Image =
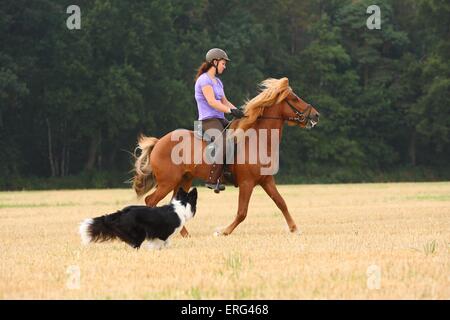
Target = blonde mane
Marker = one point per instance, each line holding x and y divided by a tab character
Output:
273	91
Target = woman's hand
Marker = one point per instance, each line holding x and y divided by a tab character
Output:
237	113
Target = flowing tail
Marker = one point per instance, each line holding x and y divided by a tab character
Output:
104	228
144	179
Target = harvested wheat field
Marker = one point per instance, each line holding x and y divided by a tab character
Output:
358	241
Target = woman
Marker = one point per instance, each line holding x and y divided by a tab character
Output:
212	104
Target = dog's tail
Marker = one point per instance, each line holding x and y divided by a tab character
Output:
101	229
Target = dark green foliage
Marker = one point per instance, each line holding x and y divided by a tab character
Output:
72	102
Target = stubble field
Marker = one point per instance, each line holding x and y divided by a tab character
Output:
358	241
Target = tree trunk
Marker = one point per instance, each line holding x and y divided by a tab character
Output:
64	151
67	161
93	149
66	172
50	151
56	165
112	158
99	159
412	147
293	34
63	159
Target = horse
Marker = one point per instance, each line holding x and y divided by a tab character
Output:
275	105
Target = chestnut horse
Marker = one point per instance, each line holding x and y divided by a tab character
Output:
270	109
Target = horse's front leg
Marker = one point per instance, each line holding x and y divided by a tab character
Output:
245	192
271	189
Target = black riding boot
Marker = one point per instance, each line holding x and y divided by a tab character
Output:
213	181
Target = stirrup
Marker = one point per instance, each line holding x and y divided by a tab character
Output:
216	187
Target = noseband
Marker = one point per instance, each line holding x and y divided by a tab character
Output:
301	117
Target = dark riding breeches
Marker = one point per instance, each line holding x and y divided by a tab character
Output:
219	124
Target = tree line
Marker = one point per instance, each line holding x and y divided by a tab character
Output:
72	102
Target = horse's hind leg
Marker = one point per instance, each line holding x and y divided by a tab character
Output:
186	184
271	189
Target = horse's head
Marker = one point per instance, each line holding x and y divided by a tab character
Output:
299	112
288	106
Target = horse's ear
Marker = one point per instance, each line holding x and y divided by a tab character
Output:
285	81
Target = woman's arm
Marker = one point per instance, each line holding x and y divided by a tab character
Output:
227	103
208	92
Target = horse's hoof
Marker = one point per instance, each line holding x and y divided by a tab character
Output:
219	232
185	234
294	231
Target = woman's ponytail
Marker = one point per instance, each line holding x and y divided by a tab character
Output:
202	69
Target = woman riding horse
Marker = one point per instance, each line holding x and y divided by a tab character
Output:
265	114
212	104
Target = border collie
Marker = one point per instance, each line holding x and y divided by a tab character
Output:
134	224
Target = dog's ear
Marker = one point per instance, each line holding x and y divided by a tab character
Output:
181	194
193	194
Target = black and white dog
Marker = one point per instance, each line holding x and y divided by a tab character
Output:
134	224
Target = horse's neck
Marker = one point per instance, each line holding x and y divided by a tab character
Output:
268	123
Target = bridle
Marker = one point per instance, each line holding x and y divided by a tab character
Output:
302	117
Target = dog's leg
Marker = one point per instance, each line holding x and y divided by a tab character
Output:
186	184
155	244
166	243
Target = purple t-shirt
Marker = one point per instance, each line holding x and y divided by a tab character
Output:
205	111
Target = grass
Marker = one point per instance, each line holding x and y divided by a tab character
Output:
400	228
430	247
234	263
442	197
37	205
